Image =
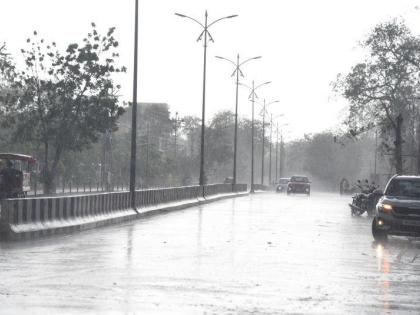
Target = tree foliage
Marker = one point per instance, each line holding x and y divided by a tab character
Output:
63	101
382	90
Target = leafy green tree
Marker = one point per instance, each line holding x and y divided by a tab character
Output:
381	90
64	101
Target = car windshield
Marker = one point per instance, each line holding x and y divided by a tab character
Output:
404	188
283	180
300	179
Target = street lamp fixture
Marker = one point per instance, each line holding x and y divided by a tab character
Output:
264	112
207	35
279	168
252	97
277	143
236	72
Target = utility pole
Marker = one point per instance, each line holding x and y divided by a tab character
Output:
106	174
134	114
252	97
207	35
202	178
263	143
252	137
277	151
147	151
281	155
237	71
271	135
264	111
176	129
376	150
235	138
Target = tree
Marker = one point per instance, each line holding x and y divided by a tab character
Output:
191	130
6	70
382	89
63	101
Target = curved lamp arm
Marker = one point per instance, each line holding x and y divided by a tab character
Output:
188	17
223	18
268	82
223	58
258	57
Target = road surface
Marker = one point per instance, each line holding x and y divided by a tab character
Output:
261	254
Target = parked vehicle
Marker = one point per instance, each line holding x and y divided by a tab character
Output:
299	185
15	175
282	184
398	210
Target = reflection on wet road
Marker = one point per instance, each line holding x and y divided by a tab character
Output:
262	254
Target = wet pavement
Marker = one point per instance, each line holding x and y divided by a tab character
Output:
262	254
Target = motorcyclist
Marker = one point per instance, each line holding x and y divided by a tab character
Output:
366	200
366	187
358	184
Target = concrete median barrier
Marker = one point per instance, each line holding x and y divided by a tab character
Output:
31	218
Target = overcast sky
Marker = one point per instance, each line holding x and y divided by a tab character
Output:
304	45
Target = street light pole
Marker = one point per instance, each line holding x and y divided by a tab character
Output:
277	151
252	97
235	139
271	136
206	33
237	71
264	111
134	115
202	180
281	154
281	149
252	137
263	142
176	129
376	150
277	142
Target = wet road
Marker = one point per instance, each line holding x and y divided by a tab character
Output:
262	254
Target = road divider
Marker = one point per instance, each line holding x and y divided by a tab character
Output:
32	218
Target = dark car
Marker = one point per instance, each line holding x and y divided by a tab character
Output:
282	185
398	210
299	185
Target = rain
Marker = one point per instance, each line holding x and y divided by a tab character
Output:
210	157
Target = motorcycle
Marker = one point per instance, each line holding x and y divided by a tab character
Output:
365	201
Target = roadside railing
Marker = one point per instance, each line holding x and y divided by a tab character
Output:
150	197
261	187
59	213
215	189
91	187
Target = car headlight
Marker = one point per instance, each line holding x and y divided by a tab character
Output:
384	207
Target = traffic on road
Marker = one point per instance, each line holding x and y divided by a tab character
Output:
266	253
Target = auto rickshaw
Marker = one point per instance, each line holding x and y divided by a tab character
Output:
15	175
